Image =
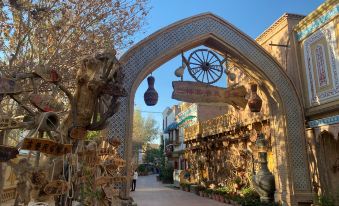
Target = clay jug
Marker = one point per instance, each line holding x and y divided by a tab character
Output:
151	95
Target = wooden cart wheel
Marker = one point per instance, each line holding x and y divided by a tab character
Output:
205	66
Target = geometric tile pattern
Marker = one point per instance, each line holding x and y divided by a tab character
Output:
329	93
171	40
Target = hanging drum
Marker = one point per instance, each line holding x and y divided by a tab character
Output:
151	95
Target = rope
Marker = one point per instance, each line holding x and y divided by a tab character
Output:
53	170
32	132
70	182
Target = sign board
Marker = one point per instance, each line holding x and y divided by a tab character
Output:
7	122
114	163
9	86
105	151
196	92
103	180
49	75
46	146
45	103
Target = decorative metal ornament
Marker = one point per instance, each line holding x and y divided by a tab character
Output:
205	66
151	95
255	102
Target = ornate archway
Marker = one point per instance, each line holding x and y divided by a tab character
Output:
292	180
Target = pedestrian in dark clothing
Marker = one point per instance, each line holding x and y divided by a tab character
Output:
134	181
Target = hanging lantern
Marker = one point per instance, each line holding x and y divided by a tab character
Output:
151	95
255	102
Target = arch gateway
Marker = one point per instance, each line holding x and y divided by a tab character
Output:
292	179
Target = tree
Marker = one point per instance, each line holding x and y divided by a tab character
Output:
152	155
144	130
55	34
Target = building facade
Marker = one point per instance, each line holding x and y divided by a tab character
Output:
307	49
317	46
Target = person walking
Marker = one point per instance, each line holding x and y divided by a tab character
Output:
134	181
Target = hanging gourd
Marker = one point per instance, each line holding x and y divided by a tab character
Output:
151	95
255	102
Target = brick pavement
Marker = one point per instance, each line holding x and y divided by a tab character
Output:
150	192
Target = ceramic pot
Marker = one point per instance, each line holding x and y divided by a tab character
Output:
255	102
151	95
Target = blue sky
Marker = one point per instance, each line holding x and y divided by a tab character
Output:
250	16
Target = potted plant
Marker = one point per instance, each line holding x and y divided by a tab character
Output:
187	188
182	186
199	190
237	183
209	193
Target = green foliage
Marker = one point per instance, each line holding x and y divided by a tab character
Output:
90	193
249	192
142	169
166	174
246	197
209	191
200	188
222	190
92	135
152	155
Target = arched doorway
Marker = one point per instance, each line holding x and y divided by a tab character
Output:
293	180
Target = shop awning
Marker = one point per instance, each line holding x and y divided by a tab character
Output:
170	127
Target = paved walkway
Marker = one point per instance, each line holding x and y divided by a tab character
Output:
150	192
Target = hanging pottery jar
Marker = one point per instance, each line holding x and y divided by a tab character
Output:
255	102
151	95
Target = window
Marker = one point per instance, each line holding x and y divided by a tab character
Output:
177	136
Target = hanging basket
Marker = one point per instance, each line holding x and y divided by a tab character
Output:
115	142
7	153
56	187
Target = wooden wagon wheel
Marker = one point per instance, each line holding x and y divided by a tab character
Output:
107	100
205	66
